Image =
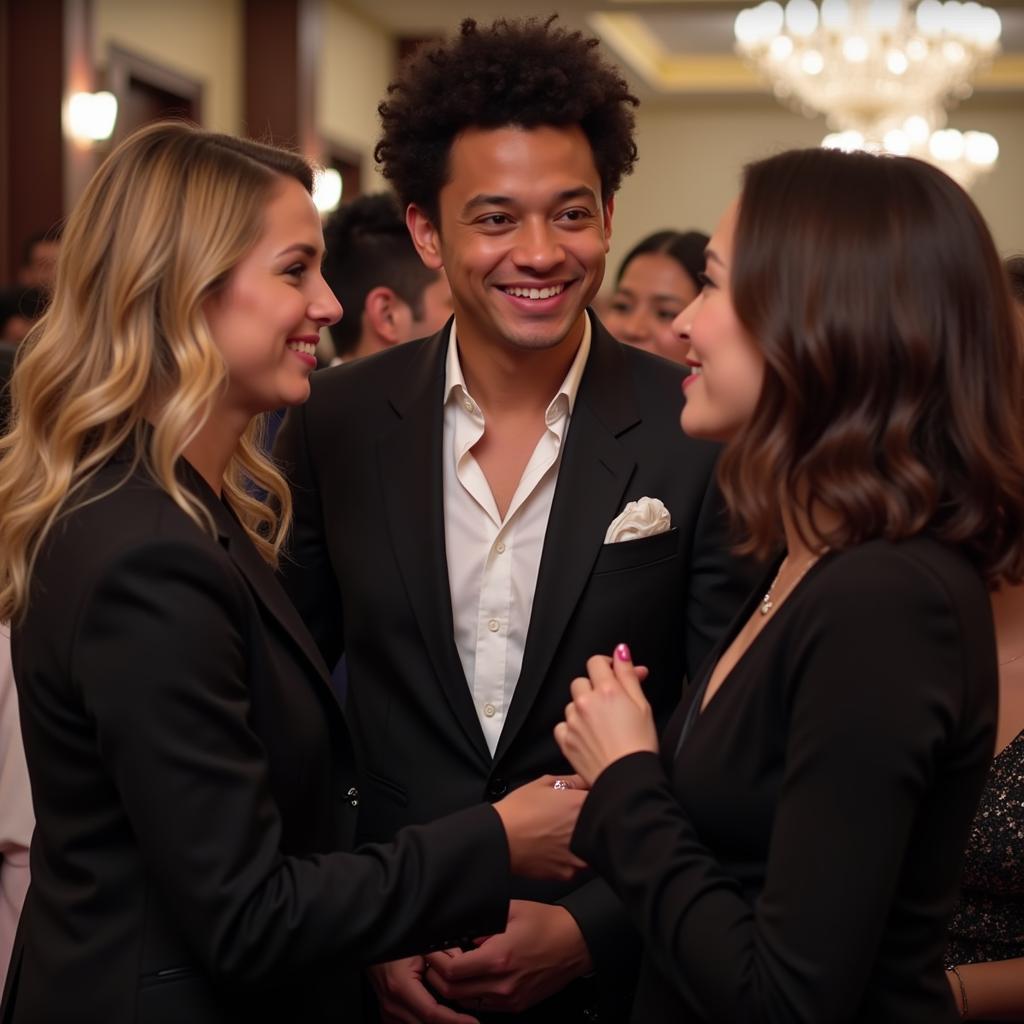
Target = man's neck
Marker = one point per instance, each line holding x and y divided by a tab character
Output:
508	380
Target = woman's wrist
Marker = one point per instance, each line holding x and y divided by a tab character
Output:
956	982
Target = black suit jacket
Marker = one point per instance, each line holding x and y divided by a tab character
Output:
367	570
797	859
193	780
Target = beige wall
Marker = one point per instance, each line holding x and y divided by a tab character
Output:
356	64
691	158
198	38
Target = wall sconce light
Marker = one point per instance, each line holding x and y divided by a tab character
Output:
327	190
90	116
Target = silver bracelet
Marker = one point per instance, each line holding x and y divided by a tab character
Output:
963	991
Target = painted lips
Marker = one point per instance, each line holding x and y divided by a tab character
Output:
304	349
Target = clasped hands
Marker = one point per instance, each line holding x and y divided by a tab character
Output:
541	949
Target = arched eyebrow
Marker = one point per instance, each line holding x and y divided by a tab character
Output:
301	247
312	252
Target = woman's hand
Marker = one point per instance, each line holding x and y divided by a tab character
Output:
609	717
539	818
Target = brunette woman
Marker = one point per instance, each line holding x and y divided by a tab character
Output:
794	853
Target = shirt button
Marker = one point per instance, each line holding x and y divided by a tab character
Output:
493	625
500	547
489	710
467	405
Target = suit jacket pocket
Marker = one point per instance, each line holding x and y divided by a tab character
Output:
179	994
388	787
632	554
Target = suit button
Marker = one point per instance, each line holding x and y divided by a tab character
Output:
353	796
496	789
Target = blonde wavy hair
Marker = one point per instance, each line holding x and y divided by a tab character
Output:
124	355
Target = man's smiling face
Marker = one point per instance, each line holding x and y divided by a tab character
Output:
523	234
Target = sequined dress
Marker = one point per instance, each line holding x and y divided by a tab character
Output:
989	920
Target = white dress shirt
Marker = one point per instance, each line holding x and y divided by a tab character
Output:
493	562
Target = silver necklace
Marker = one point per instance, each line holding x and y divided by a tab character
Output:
1010	661
768	601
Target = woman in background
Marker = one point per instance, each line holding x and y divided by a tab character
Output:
192	775
795	852
656	281
985	957
15	809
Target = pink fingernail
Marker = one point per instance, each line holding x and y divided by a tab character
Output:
622	653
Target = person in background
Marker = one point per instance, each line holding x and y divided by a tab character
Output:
20	308
16	819
1015	272
794	853
39	260
389	295
985	957
659	277
194	783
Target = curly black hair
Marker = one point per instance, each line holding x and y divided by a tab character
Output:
526	73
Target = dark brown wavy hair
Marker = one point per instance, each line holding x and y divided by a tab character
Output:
893	392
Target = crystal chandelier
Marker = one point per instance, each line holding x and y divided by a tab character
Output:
881	71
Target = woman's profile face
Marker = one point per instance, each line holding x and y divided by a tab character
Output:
651	292
266	319
727	366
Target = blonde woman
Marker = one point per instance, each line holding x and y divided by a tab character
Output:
192	775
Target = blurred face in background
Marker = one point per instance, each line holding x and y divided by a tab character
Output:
652	291
40	269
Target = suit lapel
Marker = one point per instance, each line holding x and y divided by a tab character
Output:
259	576
413	484
592	480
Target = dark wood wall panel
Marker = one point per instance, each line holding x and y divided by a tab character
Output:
282	41
33	144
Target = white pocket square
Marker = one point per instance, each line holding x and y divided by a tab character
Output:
641	518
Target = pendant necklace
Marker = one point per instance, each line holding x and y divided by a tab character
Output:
768	601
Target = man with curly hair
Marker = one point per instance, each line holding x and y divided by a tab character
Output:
459	547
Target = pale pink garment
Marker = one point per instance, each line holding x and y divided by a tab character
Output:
16	818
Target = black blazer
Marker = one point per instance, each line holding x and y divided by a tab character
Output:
368	573
798	859
193	780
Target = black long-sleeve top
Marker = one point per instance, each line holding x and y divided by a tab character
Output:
796	860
